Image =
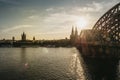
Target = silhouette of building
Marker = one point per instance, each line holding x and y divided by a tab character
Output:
34	38
23	37
74	35
13	38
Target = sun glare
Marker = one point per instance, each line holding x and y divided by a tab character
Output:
82	23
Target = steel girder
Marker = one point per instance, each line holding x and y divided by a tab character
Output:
108	25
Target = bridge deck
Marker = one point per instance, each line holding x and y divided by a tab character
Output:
99	50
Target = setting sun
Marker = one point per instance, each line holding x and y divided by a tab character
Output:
82	23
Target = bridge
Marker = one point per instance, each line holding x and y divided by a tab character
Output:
104	38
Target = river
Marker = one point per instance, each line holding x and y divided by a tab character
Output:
51	64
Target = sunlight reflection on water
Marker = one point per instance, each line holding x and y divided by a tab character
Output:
76	66
41	64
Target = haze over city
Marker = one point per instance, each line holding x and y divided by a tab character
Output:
49	19
59	39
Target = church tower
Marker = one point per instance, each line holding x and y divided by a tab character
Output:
76	34
23	37
13	38
72	36
34	38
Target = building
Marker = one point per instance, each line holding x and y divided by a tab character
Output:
23	37
74	35
13	38
34	38
90	36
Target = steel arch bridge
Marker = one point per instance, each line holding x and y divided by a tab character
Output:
108	25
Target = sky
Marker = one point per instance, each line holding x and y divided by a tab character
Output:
49	19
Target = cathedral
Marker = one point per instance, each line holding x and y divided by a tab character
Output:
23	37
74	35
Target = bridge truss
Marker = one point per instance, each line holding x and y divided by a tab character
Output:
108	25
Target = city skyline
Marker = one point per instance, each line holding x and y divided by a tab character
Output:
49	19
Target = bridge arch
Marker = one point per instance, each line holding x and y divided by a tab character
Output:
108	25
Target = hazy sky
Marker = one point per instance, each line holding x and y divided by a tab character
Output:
49	19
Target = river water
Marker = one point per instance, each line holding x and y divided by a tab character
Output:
52	64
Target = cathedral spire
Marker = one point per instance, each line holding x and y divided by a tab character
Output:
72	33
76	32
23	37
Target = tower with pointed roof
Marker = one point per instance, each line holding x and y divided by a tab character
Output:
23	37
74	35
13	38
33	38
